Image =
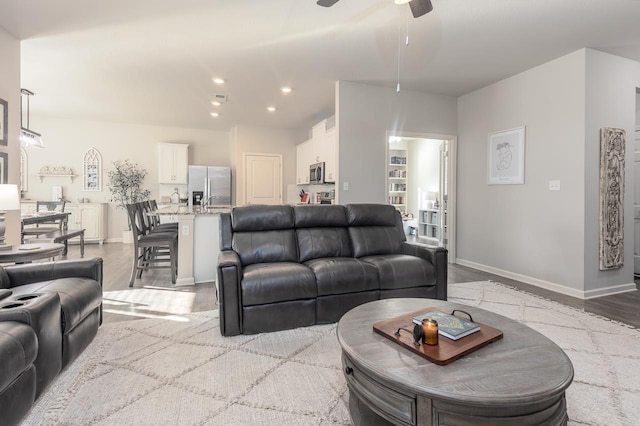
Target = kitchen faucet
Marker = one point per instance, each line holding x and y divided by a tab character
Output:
205	201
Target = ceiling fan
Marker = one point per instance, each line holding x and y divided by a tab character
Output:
418	7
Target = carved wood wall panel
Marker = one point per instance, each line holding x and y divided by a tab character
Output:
612	148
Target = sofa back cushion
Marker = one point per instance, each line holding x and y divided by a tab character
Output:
264	234
375	229
322	232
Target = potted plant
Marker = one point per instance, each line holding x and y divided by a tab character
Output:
125	184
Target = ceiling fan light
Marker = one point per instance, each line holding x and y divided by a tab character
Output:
30	138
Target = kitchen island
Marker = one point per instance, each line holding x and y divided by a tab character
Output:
198	241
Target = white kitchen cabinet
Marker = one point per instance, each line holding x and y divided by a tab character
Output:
330	155
304	151
173	163
92	217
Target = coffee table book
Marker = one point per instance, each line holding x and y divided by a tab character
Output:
449	325
446	351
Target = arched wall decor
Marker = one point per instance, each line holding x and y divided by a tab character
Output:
92	171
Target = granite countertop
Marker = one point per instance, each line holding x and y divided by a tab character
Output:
178	210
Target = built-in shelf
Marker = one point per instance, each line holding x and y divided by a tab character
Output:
44	175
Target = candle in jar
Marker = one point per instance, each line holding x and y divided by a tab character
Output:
429	331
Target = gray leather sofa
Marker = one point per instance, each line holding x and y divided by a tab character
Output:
284	267
49	313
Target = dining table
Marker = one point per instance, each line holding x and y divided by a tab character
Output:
43	217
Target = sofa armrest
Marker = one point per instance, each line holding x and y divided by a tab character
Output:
437	256
229	294
47	271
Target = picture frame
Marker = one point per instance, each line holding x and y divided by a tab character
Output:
505	157
4	163
4	122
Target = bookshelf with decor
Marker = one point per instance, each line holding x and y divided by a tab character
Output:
397	178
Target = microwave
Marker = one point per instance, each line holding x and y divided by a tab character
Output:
316	173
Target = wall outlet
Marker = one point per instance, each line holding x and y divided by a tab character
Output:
185	230
345	186
554	185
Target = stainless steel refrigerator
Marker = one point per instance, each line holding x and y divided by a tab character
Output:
209	183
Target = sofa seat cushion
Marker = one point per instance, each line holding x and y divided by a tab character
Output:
19	348
79	297
402	271
340	275
277	282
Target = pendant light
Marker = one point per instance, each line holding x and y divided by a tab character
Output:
28	137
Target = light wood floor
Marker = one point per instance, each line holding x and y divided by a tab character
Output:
154	296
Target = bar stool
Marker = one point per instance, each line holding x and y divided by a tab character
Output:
151	250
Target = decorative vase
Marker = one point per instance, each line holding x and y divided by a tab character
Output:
127	236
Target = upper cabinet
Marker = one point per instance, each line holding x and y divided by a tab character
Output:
173	163
321	148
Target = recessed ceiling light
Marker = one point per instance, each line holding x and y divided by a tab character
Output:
401	1
218	81
215	114
271	108
286	89
215	103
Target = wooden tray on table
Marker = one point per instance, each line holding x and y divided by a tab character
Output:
447	350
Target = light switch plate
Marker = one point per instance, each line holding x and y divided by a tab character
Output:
345	186
185	229
554	185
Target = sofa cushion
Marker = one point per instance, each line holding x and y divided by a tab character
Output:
266	246
343	275
402	271
277	282
315	243
261	218
375	229
19	348
78	297
320	216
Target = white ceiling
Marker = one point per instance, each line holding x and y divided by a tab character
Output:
152	61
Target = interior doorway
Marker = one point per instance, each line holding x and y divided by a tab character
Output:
636	192
421	185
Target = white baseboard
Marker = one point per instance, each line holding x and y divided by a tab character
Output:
558	288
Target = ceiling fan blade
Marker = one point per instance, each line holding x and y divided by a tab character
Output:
419	7
326	3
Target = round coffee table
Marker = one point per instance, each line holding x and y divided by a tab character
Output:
24	253
520	379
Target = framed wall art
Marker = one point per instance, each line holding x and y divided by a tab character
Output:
4	162
506	157
4	117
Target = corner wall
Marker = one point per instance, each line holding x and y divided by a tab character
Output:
527	231
364	115
611	84
10	92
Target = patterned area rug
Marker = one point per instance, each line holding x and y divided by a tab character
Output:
183	372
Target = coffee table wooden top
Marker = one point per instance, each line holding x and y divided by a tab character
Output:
30	252
522	367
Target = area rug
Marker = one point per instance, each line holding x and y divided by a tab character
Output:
183	372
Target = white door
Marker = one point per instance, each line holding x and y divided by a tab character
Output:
636	204
263	178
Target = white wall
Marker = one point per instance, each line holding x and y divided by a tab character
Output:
611	83
364	115
526	229
66	142
10	92
263	140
